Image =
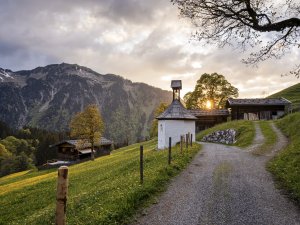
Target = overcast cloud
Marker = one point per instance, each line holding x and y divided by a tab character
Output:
141	40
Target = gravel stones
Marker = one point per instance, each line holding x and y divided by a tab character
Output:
227	136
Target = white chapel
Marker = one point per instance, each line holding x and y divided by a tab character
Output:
175	121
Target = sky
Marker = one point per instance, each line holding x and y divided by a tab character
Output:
141	40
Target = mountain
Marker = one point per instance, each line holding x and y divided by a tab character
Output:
47	97
292	94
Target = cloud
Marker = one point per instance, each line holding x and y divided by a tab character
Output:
144	41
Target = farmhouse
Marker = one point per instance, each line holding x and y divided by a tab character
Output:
258	108
175	121
209	118
78	149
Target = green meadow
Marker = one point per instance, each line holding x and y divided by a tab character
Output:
286	165
104	191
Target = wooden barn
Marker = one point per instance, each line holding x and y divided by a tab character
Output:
258	108
209	118
71	150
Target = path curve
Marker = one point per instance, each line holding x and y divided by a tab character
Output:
223	185
282	140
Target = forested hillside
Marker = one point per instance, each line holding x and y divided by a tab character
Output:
25	148
47	97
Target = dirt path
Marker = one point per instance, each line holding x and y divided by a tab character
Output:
282	141
223	185
258	139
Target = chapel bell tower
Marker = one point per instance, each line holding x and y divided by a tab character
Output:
176	86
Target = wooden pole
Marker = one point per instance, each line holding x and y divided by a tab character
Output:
142	164
170	157
191	140
186	140
61	195
181	143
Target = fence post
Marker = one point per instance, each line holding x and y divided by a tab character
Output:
187	140
141	164
61	195
169	158
191	140
181	143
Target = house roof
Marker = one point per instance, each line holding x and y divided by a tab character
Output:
85	151
103	141
176	111
257	101
213	112
176	84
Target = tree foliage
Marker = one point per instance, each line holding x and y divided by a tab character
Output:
159	110
16	155
5	130
243	22
88	126
3	151
213	88
24	148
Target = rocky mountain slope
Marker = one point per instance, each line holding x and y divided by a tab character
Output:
47	97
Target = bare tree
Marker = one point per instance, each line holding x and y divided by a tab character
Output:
243	23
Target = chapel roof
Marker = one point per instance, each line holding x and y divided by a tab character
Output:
176	84
176	111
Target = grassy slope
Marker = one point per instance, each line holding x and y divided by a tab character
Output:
245	129
105	191
291	93
286	165
270	138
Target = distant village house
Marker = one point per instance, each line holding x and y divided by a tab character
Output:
71	150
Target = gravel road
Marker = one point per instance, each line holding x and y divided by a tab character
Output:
224	185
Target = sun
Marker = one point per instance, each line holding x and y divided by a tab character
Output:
208	104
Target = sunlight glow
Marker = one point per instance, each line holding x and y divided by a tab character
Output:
208	104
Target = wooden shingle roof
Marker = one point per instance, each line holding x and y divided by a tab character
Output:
176	111
103	141
257	101
213	112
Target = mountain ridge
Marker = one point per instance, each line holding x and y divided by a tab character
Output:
47	97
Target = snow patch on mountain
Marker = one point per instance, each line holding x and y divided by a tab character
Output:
4	74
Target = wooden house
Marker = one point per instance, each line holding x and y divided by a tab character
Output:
71	150
258	108
209	118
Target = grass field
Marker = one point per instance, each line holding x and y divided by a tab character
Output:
270	138
290	93
245	131
104	191
286	165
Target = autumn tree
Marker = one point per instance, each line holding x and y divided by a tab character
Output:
159	110
211	91
3	151
244	22
88	126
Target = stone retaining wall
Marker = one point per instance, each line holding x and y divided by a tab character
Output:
221	136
